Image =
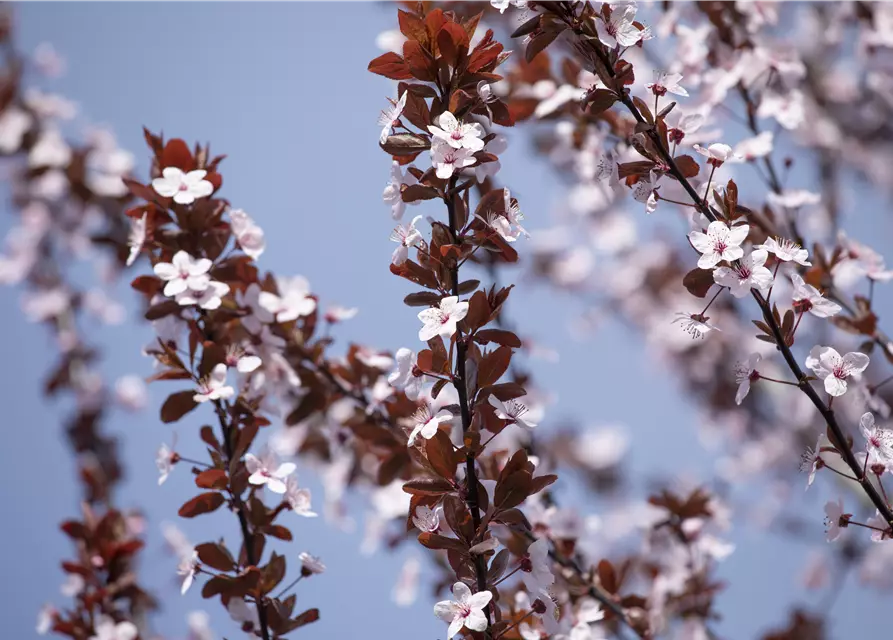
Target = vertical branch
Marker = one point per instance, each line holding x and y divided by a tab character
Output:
247	539
471	479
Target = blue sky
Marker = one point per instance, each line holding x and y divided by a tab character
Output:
283	90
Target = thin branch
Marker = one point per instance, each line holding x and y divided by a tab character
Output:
825	410
461	385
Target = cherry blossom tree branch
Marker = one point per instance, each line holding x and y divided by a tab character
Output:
825	410
221	408
461	386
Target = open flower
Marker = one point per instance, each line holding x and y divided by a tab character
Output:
310	564
393	192
645	191
184	272
719	243
695	324
745	373
211	297
620	28
835	519
390	117
403	377
811	461
807	298
502	5
188	568
426	425
879	442
213	386
107	629
293	302
456	134
406	237
834	369
184	188
426	519
248	234
716	154
165	460
465	610
537	567
266	470
447	159
242	361
786	251
511	410
749	273
442	319
666	83
298	499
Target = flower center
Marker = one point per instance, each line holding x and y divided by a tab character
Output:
183	187
802	306
840	372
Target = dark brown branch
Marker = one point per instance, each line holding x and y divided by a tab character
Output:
247	538
461	385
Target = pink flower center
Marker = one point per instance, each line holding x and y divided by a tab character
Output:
840	372
456	134
183	186
720	246
802	306
464	611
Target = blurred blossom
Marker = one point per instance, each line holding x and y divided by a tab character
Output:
131	392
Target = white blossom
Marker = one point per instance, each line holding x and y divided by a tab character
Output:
807	298
464	610
719	243
213	386
834	369
442	320
184	188
266	470
749	273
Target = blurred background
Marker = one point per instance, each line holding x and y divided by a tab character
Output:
283	91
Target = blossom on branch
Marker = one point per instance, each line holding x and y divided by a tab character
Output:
749	273
426	424
184	272
406	237
213	386
184	188
266	470
807	298
464	610
293	301
834	369
719	243
786	251
456	134
745	374
390	117
448	159
442	320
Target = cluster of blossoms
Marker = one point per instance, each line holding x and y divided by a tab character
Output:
720	54
440	436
